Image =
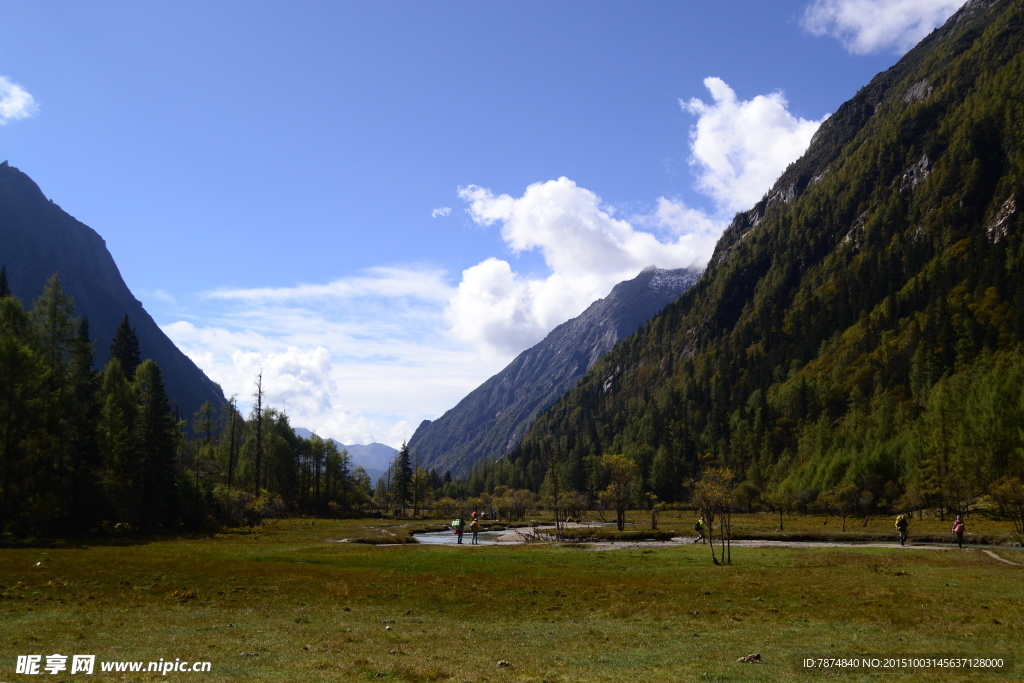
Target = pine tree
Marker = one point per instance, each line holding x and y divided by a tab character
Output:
155	437
54	324
84	496
4	289
125	348
22	376
121	468
47	480
257	415
403	477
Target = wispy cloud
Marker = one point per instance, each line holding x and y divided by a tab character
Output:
360	359
15	102
442	211
382	282
869	26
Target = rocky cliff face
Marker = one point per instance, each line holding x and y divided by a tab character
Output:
492	419
38	239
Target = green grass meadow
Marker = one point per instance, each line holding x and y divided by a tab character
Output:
286	603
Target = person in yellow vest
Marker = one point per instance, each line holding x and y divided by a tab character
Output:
474	526
701	527
902	526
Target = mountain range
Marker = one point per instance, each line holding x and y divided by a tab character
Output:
491	420
38	239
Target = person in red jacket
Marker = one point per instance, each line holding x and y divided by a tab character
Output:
958	531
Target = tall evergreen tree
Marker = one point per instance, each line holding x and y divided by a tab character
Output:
155	437
47	478
258	417
121	466
4	289
125	348
84	497
54	324
233	436
203	426
22	379
403	477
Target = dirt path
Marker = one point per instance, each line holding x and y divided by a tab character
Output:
1002	559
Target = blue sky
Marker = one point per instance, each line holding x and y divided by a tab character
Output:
381	203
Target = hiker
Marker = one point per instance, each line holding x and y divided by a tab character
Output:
701	528
901	528
958	531
474	526
457	529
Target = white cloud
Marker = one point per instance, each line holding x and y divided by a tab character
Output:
361	359
367	357
443	211
15	102
867	26
586	249
739	147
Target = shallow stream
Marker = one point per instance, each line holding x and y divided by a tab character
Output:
449	538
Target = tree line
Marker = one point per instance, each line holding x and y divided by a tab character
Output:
104	450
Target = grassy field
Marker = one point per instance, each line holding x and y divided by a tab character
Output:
284	603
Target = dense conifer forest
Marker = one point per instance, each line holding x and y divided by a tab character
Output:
83	451
857	337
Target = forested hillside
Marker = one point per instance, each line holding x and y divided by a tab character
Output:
857	335
492	419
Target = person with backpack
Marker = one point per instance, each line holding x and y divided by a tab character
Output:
958	531
457	529
901	528
701	527
474	526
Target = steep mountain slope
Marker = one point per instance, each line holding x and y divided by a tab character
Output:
38	239
859	328
493	418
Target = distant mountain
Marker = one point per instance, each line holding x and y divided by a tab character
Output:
38	239
491	419
860	331
375	458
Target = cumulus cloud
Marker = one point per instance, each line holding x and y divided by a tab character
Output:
868	26
15	102
442	211
585	247
739	147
